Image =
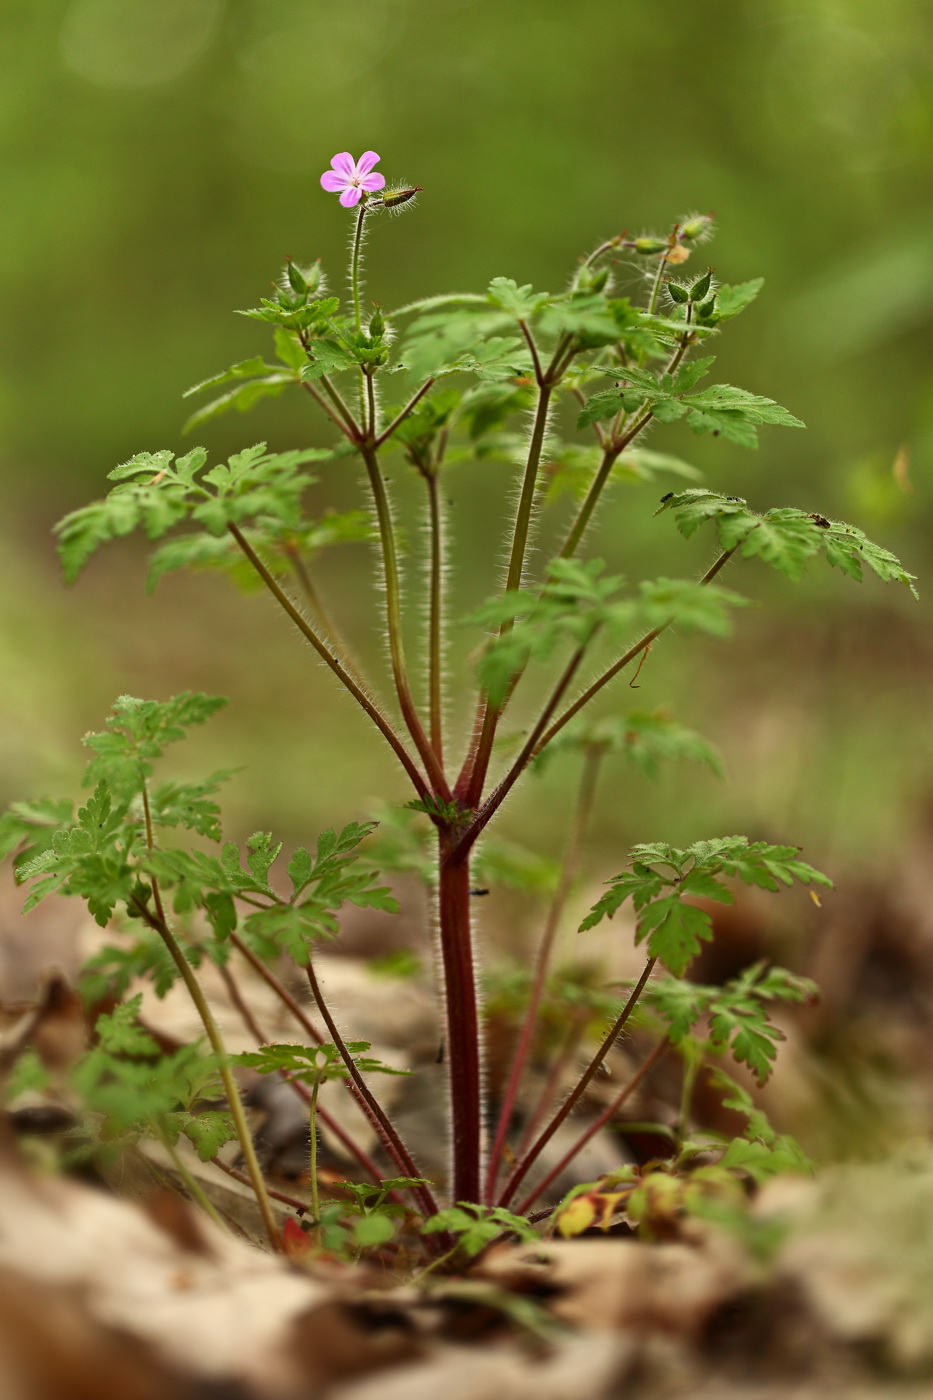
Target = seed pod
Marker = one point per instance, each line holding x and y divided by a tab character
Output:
296	278
377	325
701	286
707	309
394	199
677	293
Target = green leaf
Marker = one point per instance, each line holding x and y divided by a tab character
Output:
730	301
370	1231
300	869
28	1076
598	407
33	825
695	607
242	399
246	369
522	302
207	1131
137	734
674	931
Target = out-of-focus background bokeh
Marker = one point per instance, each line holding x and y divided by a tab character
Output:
160	160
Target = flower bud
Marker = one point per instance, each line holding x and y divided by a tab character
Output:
650	245
377	325
697	227
678	293
706	309
701	286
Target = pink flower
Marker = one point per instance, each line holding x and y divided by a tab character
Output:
352	177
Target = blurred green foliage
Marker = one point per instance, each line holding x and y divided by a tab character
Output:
159	161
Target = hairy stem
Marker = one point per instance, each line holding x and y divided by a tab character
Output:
347	426
339	670
399	419
394	624
611	452
192	1185
622	662
355	265
312	1129
464	1068
584	806
531	1156
243	1179
158	923
387	1134
638	1078
435	616
473	780
556	1072
532	744
302	1090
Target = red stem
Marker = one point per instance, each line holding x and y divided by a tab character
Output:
370	1105
531	1156
462	1020
594	1127
584	803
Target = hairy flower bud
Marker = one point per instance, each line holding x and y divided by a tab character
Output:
698	227
377	325
650	245
678	293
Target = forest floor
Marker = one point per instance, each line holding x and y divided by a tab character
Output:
117	1288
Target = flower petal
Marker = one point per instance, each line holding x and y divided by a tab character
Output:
344	164
350	197
333	181
366	162
373	182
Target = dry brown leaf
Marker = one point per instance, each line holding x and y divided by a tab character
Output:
610	1284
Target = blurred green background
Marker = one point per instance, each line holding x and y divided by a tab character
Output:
159	161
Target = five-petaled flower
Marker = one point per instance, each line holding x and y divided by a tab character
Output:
352	177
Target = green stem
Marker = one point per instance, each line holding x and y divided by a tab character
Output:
394	625
319	399
584	806
611	452
193	1187
473	777
531	1156
339	670
370	406
435	616
399	419
158	923
312	1124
